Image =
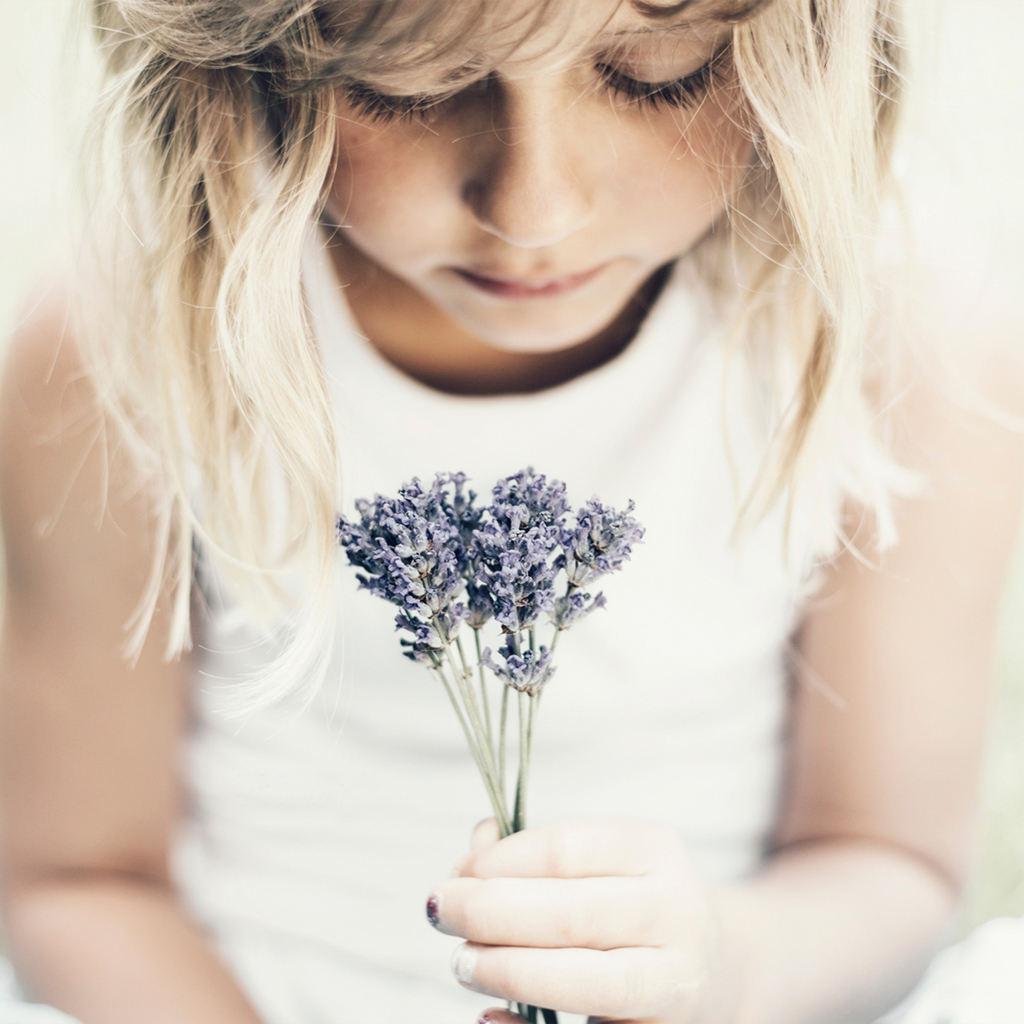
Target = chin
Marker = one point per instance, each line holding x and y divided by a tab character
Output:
537	331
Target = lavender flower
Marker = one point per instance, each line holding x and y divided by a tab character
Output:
601	540
527	499
430	637
461	504
527	671
517	573
513	552
413	554
427	549
573	606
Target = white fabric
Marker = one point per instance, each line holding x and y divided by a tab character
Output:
979	981
316	837
14	1011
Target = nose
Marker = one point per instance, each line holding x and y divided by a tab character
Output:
530	184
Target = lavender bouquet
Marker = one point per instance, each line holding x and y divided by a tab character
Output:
522	562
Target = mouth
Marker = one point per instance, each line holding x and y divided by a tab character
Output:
504	287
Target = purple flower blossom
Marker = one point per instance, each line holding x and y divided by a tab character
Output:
513	551
461	504
574	606
413	553
599	542
425	549
430	637
527	671
527	499
479	605
516	571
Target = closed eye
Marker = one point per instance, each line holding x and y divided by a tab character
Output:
379	106
680	92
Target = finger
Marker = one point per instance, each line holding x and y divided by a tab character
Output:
576	849
497	1016
620	984
595	913
632	1020
485	834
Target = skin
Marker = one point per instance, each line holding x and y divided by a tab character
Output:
534	175
538	173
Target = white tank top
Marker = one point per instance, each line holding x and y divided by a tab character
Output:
314	839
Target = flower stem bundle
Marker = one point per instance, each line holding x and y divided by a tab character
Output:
523	563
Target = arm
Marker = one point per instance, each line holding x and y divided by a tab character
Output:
874	833
882	788
88	744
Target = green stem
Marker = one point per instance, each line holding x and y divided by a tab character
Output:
497	803
501	738
466	676
483	688
558	632
534	698
472	710
519	816
483	744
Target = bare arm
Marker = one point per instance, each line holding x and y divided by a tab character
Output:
875	834
87	743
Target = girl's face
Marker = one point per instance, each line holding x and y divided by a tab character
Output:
531	206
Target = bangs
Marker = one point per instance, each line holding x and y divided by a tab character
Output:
456	40
460	41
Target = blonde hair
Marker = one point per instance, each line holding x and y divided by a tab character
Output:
216	135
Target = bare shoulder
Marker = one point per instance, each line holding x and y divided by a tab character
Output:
69	516
959	418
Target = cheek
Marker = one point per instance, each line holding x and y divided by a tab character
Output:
680	167
393	189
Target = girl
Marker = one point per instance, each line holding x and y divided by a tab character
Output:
645	245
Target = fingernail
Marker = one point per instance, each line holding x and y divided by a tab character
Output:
485	1019
433	916
463	962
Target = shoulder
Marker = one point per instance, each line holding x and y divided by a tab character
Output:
70	517
952	386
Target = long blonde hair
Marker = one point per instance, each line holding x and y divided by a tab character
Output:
215	134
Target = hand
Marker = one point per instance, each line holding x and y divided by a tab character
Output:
603	917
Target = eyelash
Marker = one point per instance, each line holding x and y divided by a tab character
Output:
680	93
380	107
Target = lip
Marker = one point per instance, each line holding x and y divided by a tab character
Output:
519	288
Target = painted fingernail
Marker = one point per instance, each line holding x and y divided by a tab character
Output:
463	962
485	1019
432	911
